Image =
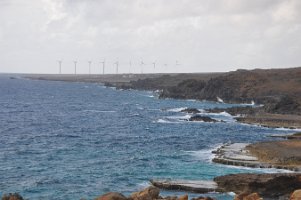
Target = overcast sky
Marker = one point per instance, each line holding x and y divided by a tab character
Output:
202	35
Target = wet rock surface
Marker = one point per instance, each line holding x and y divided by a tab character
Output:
190	110
200	118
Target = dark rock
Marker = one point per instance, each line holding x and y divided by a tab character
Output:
202	118
112	196
11	196
191	110
266	185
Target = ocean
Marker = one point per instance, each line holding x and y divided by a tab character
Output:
62	140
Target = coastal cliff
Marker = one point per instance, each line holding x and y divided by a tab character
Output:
279	90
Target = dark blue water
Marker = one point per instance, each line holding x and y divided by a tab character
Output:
62	140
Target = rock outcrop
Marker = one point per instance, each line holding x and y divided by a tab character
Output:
200	118
296	195
247	196
146	194
14	196
190	110
112	196
266	185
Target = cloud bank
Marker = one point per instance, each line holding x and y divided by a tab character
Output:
201	35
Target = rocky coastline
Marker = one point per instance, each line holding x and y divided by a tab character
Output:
242	184
277	94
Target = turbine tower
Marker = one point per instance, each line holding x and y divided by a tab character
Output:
60	66
75	63
103	66
116	63
142	64
90	63
130	66
154	63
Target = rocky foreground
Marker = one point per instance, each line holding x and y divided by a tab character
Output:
153	193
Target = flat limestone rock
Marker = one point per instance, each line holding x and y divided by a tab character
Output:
200	186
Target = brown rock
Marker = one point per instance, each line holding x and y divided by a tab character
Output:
266	185
246	196
10	196
184	197
296	195
171	198
112	196
149	193
202	198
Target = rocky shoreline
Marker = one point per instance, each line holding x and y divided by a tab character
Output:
243	185
279	90
250	155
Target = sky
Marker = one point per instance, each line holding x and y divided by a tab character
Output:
177	35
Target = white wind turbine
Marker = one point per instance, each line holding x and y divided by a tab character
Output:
103	66
142	64
90	63
117	64
60	66
130	63
75	63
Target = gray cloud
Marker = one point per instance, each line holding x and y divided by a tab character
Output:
207	35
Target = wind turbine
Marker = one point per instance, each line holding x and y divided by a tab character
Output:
142	64
116	63
103	66
90	62
60	66
154	63
75	63
130	66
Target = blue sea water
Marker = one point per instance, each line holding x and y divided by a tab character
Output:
61	140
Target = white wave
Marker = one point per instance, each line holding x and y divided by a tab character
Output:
224	113
257	169
164	121
204	154
176	109
231	193
219	100
143	185
287	129
185	117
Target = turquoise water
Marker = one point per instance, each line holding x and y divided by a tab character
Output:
62	140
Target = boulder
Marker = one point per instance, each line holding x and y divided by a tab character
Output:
202	118
247	196
184	197
190	110
202	198
266	185
11	196
112	196
149	193
296	195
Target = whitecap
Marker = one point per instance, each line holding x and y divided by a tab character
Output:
164	121
287	129
204	154
219	100
176	109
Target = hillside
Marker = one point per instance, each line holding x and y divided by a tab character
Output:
278	89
